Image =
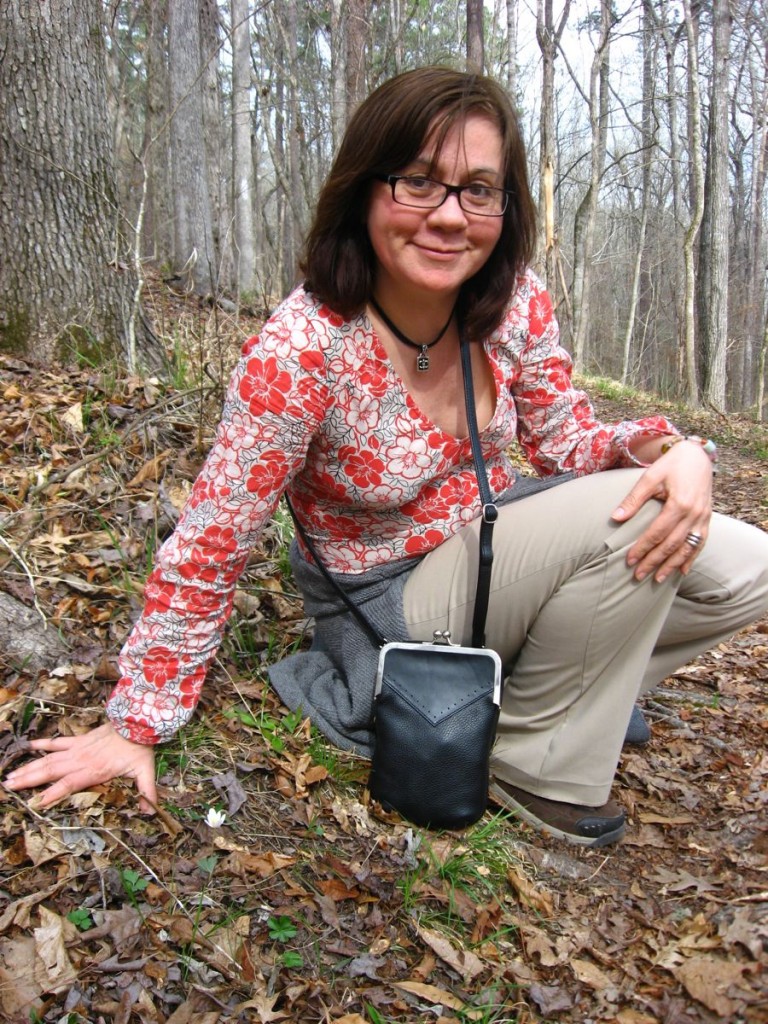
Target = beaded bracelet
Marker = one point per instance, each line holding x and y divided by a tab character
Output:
710	448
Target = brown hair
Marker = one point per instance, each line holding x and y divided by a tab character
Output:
386	133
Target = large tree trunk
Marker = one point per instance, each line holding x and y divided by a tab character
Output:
64	283
194	256
157	240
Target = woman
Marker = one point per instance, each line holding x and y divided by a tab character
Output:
351	399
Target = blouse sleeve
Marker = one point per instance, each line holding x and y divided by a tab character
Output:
557	426
275	404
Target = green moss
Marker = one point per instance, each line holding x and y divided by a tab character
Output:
14	331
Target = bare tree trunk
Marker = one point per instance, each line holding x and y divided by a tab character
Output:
754	269
242	159
548	37
671	41
338	73
697	206
285	144
395	45
63	283
218	147
194	256
584	222
357	34
761	373
158	235
512	15
295	143
475	43
279	160
714	243
648	138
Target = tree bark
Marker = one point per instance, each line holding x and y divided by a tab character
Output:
157	241
648	140
671	42
295	142
338	95
761	363
512	16
475	43
714	246
747	153
548	37
64	285
194	257
242	161
356	36
584	222
218	146
697	206
756	279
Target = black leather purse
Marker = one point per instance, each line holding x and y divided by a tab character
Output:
436	704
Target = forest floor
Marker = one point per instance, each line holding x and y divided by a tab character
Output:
304	904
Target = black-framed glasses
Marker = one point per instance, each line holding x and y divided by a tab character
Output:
427	194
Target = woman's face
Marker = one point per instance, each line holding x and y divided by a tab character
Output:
433	252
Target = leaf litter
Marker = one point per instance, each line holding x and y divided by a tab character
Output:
269	887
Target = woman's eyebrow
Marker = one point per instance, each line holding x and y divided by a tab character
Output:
428	164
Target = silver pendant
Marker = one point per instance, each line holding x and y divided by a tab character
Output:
422	360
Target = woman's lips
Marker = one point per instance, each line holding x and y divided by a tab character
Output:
440	254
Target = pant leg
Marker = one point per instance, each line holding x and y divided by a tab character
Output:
726	590
575	630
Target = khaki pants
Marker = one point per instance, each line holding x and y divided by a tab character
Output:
580	638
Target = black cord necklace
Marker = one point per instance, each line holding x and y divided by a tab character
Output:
422	360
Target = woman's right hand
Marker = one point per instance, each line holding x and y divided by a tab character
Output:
74	763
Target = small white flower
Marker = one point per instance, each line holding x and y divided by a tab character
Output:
215	818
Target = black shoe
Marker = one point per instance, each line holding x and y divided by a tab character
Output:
638	731
586	826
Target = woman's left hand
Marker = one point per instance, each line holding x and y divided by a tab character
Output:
682	480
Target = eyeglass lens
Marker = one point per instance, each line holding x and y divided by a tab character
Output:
429	194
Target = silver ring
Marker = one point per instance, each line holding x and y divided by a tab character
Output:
694	539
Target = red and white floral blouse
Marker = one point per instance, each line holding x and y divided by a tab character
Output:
315	405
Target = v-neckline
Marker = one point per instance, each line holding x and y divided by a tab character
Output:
381	354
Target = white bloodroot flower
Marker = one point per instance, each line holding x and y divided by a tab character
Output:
215	818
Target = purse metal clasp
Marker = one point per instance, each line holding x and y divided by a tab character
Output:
443	636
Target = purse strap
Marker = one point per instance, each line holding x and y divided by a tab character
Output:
489	516
373	634
490	512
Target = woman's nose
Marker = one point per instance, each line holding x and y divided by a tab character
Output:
449	212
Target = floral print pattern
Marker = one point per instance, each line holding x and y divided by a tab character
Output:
314	406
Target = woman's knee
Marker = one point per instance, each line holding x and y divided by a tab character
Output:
735	559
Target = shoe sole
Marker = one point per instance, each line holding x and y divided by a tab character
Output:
505	800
